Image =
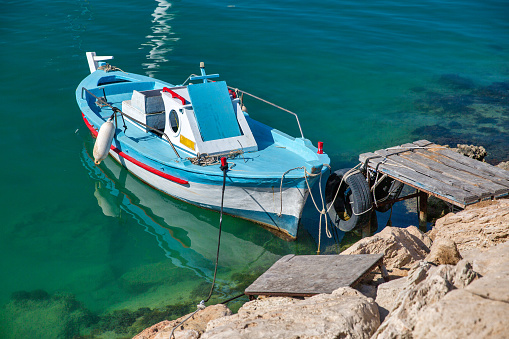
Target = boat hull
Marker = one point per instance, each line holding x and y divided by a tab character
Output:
274	208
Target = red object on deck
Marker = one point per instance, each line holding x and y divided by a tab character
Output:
175	95
320	147
224	164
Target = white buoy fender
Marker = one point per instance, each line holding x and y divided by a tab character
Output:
103	141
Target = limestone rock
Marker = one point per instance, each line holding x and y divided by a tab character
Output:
479	226
471	151
366	289
154	330
453	301
387	295
444	252
191	329
345	313
493	265
504	165
477	311
461	314
425	286
401	246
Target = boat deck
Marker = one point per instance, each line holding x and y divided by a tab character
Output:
272	156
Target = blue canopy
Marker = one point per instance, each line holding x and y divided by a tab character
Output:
213	110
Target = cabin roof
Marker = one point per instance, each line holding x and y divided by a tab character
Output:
213	110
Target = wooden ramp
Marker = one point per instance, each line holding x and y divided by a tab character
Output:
307	275
438	171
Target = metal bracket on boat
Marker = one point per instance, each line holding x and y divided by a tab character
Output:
204	75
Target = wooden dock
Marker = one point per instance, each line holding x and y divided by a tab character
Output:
431	169
307	275
438	171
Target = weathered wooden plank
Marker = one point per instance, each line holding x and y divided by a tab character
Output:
473	170
431	161
483	167
503	184
438	171
423	143
424	183
476	167
435	178
461	162
403	160
307	275
364	156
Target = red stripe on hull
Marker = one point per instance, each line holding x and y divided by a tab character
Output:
90	127
134	161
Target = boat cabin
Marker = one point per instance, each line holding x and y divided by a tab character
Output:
199	118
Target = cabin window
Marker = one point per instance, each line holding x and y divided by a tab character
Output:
174	121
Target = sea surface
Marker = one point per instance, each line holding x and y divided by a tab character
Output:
90	251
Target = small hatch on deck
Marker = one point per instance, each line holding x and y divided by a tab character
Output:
112	79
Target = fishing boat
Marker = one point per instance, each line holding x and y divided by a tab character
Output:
196	142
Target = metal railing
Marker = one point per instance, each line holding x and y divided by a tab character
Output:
270	103
258	98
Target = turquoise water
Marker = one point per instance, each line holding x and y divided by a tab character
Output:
88	250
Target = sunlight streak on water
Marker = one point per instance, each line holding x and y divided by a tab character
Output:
161	39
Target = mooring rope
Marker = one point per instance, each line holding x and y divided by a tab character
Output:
201	305
407	148
224	169
322	211
209	160
349	173
109	68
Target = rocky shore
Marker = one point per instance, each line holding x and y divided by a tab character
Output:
452	282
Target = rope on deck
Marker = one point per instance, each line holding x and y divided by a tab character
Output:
205	159
109	68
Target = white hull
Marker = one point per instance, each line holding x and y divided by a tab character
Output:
258	204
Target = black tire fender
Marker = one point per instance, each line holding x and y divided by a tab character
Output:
352	207
387	189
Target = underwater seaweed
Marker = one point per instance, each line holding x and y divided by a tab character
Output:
456	81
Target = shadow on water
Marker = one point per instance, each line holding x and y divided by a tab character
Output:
468	114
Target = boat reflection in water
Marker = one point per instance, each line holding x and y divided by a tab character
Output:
187	234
